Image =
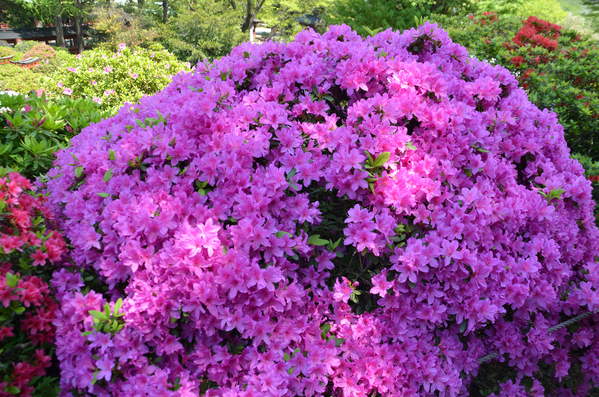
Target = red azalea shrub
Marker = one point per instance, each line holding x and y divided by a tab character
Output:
27	307
537	32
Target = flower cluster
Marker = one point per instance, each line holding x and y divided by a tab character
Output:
329	216
537	32
27	307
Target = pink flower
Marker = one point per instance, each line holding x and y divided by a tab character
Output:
107	69
67	91
134	75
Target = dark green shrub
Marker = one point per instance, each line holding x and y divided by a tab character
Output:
591	170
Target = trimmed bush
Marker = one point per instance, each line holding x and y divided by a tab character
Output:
330	216
28	247
113	78
15	78
32	128
6	51
42	51
25	46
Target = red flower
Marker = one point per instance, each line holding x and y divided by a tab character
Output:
517	60
5	332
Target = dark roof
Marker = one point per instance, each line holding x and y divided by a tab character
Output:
35	33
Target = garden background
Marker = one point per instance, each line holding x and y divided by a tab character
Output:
130	51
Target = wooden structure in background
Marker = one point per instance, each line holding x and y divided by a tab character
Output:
46	35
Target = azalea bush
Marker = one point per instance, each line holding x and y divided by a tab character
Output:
330	216
111	78
32	128
29	246
559	68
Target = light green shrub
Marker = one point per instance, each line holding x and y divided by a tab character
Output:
113	78
15	78
549	10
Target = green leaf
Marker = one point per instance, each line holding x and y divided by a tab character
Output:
381	159
325	328
78	171
12	280
280	234
103	195
334	245
555	194
286	357
98	315
117	306
410	146
111	155
107	175
12	390
316	240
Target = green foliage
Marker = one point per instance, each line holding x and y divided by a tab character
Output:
112	26
370	16
15	78
591	170
549	10
113	78
281	16
33	128
208	31
109	320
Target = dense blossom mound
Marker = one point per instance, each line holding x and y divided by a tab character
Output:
331	216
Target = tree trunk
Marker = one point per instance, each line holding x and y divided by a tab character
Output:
164	10
59	31
78	33
249	16
251	11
